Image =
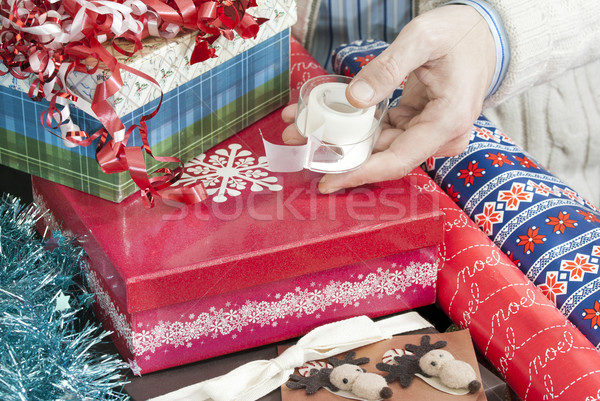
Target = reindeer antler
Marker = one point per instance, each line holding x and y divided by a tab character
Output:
408	365
348	358
403	370
318	378
425	347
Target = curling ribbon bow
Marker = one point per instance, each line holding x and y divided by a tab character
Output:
50	39
255	379
215	18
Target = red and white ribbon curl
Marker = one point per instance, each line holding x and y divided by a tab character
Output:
49	39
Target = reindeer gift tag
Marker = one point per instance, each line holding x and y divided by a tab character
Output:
435	366
319	381
343	377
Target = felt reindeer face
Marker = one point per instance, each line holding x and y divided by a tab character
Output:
435	366
344	376
432	362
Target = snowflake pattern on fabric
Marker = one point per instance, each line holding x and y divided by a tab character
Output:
228	172
553	287
499	159
531	239
470	173
561	222
486	134
526	162
515	196
542	189
362	61
490	216
455	195
578	267
352	57
593	315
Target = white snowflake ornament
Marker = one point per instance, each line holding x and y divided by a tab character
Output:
229	172
135	368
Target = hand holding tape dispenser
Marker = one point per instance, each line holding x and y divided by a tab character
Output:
340	137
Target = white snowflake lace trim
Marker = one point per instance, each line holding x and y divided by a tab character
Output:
112	312
301	302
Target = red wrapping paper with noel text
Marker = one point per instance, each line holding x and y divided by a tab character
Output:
542	355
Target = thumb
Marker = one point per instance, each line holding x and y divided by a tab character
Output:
384	74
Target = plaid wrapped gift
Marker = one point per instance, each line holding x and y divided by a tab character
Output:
203	104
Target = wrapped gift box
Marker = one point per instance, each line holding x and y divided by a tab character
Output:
203	104
265	258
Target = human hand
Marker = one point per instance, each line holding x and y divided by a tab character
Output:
449	57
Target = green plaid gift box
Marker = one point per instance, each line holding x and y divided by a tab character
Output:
202	105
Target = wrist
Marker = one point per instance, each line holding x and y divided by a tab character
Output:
496	27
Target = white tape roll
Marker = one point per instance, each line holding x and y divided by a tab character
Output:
342	123
340	137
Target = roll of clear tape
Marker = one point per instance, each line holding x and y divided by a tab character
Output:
341	123
340	137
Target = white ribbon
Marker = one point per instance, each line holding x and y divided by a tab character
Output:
255	379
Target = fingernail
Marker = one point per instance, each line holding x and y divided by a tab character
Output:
361	91
324	189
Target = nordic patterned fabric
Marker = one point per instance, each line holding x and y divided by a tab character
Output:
546	228
350	58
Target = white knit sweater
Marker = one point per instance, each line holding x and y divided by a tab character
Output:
547	38
549	101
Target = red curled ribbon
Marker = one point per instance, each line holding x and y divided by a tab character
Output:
51	39
215	18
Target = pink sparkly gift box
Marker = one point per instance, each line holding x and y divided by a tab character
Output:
177	284
265	258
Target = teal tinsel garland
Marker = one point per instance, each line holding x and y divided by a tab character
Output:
47	339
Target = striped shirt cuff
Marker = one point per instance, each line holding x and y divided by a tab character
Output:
500	39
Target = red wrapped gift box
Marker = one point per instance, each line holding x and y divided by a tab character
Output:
265	258
247	268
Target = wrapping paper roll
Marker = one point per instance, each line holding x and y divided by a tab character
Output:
550	232
539	225
539	352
